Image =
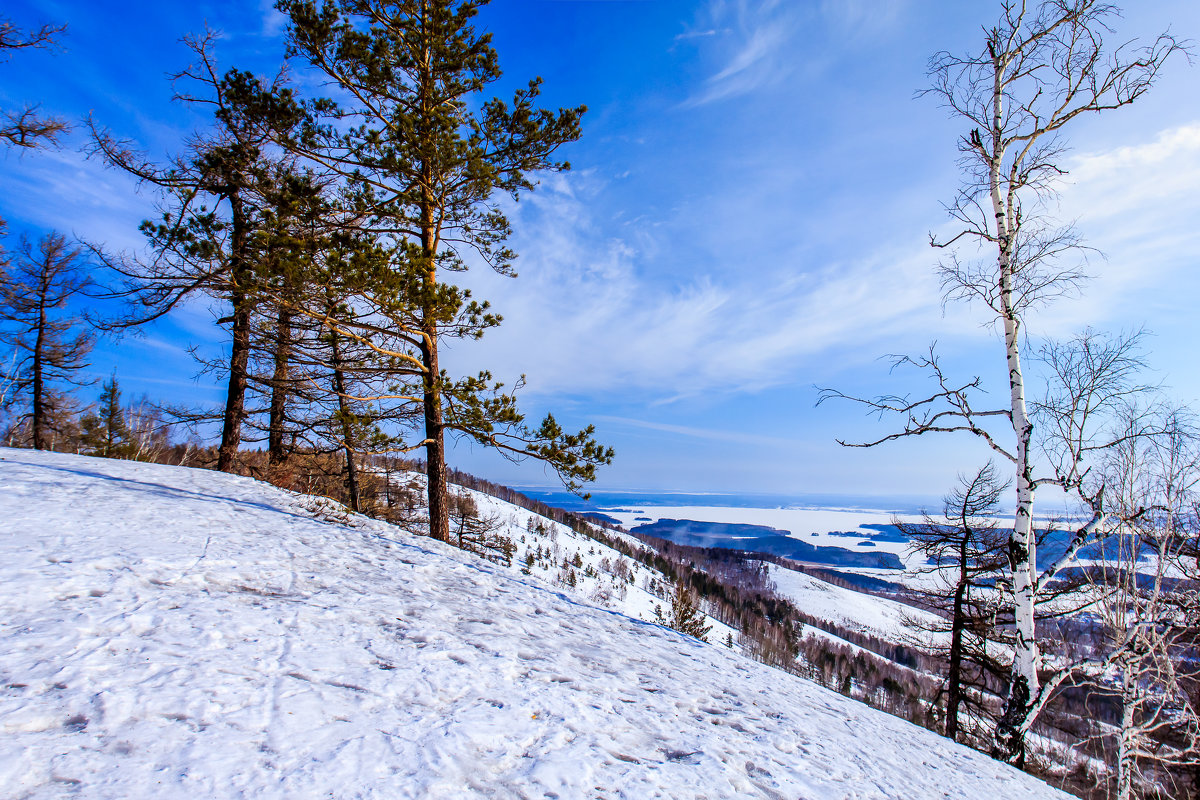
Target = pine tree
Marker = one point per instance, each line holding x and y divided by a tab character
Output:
685	613
965	554
105	432
214	201
429	152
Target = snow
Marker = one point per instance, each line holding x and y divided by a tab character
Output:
602	587
814	526
176	633
875	616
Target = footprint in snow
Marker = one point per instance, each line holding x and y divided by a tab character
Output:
683	756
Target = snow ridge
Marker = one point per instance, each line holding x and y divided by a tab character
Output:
167	632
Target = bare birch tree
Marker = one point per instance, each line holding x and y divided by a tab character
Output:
1150	607
1042	66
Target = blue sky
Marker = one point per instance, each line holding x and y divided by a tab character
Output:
746	218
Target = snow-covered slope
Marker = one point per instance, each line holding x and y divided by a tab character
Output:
579	565
875	616
167	632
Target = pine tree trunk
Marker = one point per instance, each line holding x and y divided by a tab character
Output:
276	454
435	453
239	358
435	449
339	386
39	403
352	480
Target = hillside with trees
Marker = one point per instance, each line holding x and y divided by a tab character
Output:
320	245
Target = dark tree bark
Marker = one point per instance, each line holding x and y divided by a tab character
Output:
344	414
239	356
280	388
39	385
958	622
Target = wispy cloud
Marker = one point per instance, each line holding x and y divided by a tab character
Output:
862	19
706	434
62	190
751	38
696	34
273	22
755	42
1137	204
729	328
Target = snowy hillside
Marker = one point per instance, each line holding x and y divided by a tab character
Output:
579	565
175	633
875	616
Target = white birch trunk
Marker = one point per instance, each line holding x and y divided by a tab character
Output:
1022	544
1126	743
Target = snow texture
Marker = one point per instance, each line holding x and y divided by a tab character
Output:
177	633
875	616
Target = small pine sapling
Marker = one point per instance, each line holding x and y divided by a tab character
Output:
686	616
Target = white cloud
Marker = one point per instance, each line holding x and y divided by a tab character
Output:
274	23
62	190
707	434
696	34
756	42
586	318
1137	205
862	19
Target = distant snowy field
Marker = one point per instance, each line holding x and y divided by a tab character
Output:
176	633
813	525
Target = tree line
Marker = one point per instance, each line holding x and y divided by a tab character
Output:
330	230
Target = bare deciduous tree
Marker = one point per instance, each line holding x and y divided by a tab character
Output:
1150	606
964	553
51	345
1042	66
28	128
